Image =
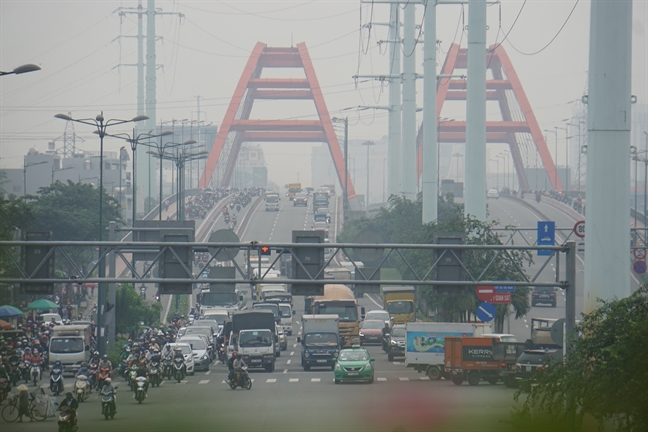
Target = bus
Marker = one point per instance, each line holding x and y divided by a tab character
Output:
340	300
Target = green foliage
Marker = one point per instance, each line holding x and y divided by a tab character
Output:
13	214
131	309
401	223
606	372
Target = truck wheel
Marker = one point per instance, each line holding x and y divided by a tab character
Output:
434	373
510	381
474	378
458	379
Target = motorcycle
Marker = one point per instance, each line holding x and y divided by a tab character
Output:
16	373
141	384
238	207
101	377
178	369
538	197
167	368
35	372
227	218
81	388
154	374
108	407
93	369
56	381
240	379
64	419
132	373
24	370
4	389
143	292
221	352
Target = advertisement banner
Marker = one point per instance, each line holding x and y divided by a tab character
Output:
430	342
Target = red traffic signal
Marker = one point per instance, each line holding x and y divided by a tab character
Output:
265	250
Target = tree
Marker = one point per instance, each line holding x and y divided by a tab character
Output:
14	215
401	223
131	309
605	373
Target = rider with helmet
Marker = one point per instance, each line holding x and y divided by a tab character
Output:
235	362
108	389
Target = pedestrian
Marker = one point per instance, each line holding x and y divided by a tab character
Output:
23	402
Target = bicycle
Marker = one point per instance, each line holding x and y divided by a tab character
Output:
10	412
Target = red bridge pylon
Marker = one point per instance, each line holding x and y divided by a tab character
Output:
237	127
518	127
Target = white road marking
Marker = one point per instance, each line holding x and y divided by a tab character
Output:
203	382
285	371
424	378
271	380
293	380
288	362
381	379
398	363
294	345
316	379
207	373
403	379
292	352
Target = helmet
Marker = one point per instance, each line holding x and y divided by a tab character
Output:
27	349
84	364
96	353
235	354
105	357
107	380
57	362
152	339
68	395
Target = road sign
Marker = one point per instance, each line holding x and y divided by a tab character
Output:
639	267
509	288
484	292
223	236
500	298
640	254
486	312
546	236
579	229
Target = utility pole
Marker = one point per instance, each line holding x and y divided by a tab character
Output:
367	144
609	98
430	142
394	145
476	112
409	103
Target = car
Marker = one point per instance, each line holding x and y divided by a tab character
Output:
300	199
371	332
379	314
190	365
396	342
323	211
532	361
204	322
492	193
283	341
354	364
543	295
202	359
320	218
321	226
204	330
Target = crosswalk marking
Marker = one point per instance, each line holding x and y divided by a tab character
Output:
316	379
288	362
271	380
403	379
292	352
293	380
203	381
285	371
207	373
424	378
381	379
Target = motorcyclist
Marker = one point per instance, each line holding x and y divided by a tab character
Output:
108	389
156	357
153	345
72	405
105	363
142	371
83	370
235	362
94	358
385	332
4	373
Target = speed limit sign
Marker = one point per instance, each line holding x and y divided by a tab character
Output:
579	229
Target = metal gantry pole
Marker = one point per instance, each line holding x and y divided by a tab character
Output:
476	112
430	142
607	261
408	165
394	150
112	265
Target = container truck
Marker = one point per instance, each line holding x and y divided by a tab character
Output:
254	337
399	302
320	341
272	202
293	188
425	344
339	300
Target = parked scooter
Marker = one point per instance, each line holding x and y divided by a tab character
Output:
56	381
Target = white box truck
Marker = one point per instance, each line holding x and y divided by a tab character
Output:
320	340
71	345
424	349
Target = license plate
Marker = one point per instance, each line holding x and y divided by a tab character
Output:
322	361
352	373
544	296
528	368
256	361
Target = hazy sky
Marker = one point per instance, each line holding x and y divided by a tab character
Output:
77	45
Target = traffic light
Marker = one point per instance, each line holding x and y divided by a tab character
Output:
265	250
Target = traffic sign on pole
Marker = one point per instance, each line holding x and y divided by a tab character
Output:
546	236
639	254
579	229
486	312
484	292
505	288
639	267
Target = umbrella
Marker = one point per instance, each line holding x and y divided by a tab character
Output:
42	304
4	325
7	311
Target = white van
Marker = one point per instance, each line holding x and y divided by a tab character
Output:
286	313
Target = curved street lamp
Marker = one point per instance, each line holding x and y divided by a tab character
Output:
27	165
102	125
22	69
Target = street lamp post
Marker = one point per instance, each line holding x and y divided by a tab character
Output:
345	196
22	69
367	144
102	125
25	166
54	170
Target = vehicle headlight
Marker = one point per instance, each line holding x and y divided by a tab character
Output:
306	354
337	367
367	366
204	357
361	334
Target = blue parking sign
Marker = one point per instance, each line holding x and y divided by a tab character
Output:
546	236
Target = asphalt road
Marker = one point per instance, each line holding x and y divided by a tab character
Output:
290	399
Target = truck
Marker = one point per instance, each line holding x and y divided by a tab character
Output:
477	358
272	201
230	301
399	302
293	188
320	341
425	344
71	345
339	300
320	200
254	337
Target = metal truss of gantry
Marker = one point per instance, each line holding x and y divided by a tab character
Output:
518	126
237	127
